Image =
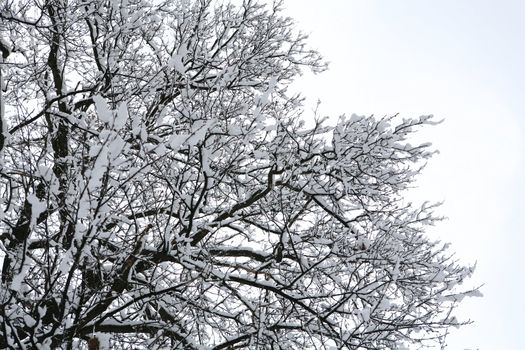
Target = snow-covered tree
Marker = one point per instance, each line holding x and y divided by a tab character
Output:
160	190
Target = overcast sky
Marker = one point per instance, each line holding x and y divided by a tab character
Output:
463	61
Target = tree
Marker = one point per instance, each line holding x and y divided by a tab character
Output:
160	190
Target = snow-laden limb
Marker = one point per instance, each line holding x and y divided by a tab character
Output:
161	191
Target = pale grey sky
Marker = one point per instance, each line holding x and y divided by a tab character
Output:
463	61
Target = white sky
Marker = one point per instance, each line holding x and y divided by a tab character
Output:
463	61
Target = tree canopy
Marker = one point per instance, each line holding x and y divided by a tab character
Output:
162	189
